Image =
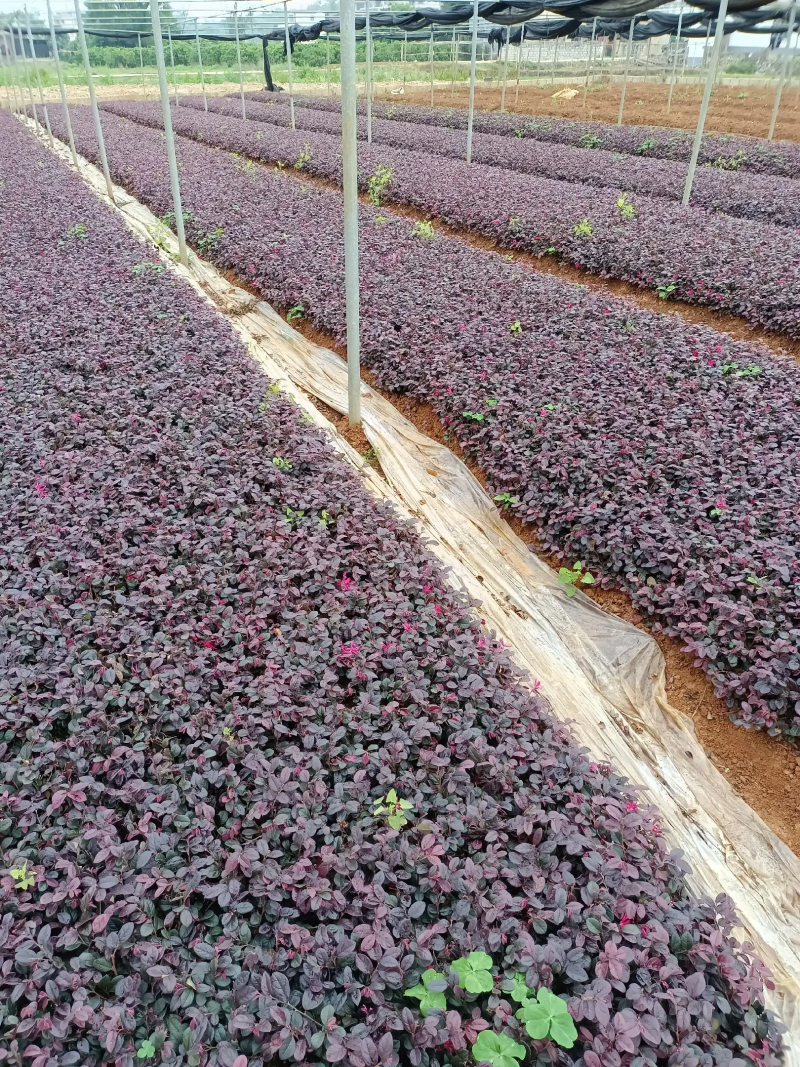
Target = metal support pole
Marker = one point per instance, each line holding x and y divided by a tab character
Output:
590	63
4	66
430	59
141	62
701	121
519	62
328	62
172	64
368	69
505	68
61	89
347	38
98	129
15	72
647	58
555	55
625	72
472	58
784	71
454	49
239	60
539	64
25	72
675	63
288	65
169	137
38	79
202	72
404	59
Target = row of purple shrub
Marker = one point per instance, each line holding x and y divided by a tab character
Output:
723	151
663	453
742	194
262	772
687	255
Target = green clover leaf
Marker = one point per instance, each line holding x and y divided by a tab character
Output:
146	1050
519	991
474	972
23	878
548	1016
429	999
497	1049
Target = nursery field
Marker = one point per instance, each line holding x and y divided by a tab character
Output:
661	454
640	240
270	793
726	151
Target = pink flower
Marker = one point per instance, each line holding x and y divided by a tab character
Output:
41	489
437	608
344	583
347	651
76	417
427	587
631	806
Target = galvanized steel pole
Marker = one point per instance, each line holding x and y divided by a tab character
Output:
328	61
202	72
169	137
625	72
590	63
172	64
784	71
98	129
472	58
368	68
347	38
701	121
141	63
453	72
239	60
519	61
288	64
5	66
25	72
675	63
505	68
430	58
38	79
61	88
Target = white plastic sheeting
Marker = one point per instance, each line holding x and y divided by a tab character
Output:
599	673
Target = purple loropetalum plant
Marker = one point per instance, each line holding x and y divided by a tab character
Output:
690	255
615	429
193	870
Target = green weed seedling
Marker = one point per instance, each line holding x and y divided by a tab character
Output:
304	158
505	500
394	808
281	463
423	230
665	291
571	579
583	229
474	972
379	181
208	242
646	145
591	140
497	1049
626	208
295	313
430	991
516	327
23	878
147	267
546	1015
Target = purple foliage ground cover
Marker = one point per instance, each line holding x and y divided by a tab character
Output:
663	453
744	195
726	151
695	257
215	665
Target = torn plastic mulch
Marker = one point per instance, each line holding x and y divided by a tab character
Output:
599	673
